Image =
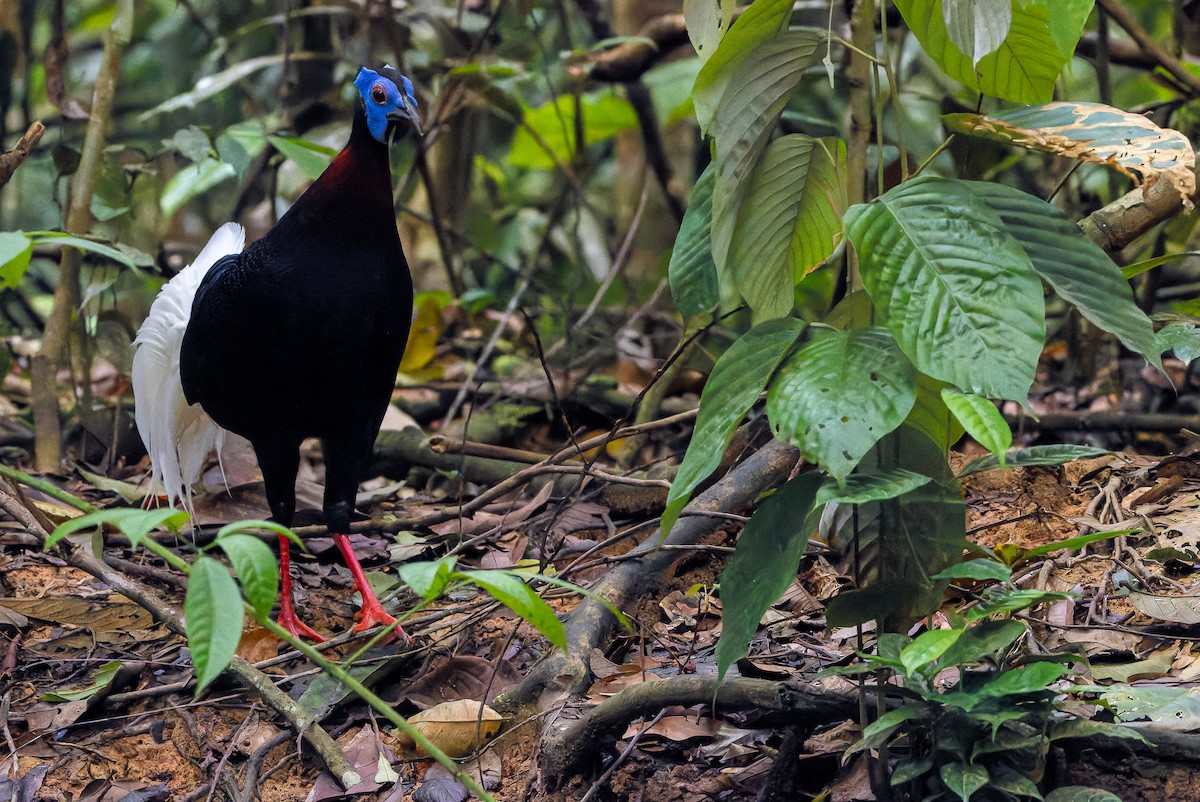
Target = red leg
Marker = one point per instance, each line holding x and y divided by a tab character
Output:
287	613
372	612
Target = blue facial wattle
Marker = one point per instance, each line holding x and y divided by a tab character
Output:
385	101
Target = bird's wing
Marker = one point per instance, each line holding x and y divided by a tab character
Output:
178	436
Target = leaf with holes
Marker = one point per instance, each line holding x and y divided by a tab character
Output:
838	394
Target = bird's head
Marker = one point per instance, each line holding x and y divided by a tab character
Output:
390	105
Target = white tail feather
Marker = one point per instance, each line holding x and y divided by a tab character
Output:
178	435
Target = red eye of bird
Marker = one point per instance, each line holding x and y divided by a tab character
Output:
379	94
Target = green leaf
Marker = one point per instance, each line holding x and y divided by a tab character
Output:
208	85
100	680
761	21
1077	268
1022	69
707	21
213	609
982	569
879	732
605	114
1026	679
1077	542
1034	455
931	416
839	393
250	525
742	127
908	770
734	386
427	578
136	524
692	273
523	600
963	779
1080	793
191	181
254	563
1068	18
977	27
311	158
1084	728
981	419
859	488
1182	338
790	220
983	640
925	250
16	251
927	647
60	239
1010	601
764	564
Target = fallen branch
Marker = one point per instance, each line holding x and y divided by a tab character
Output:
12	159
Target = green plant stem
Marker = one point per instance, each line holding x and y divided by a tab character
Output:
42	486
379	706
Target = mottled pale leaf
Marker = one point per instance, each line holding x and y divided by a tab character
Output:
1091	132
789	221
1081	793
1077	268
692	274
981	419
1181	338
838	394
737	380
977	27
1176	609
764	564
927	249
963	779
213	610
1034	455
1022	69
707	21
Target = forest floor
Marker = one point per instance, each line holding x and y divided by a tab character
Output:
98	706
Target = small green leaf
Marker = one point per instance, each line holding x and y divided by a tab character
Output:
963	779
880	731
1181	338
254	564
192	181
1079	541
311	158
983	640
427	578
100	680
523	600
981	419
981	569
136	524
859	488
16	251
1026	679
927	647
1010	601
839	394
1034	455
735	384
691	271
764	564
250	525
122	256
1080	793
213	609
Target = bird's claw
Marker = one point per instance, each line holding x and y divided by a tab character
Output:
372	615
288	620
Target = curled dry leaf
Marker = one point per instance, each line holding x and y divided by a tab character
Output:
458	728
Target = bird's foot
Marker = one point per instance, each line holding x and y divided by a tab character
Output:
372	614
289	621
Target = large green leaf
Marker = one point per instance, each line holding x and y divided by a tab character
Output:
744	120
958	291
1022	69
551	127
1077	268
838	394
737	380
691	271
901	543
977	27
213	610
789	221
764	564
509	590
761	21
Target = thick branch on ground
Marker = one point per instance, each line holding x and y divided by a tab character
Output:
575	742
300	719
12	159
565	675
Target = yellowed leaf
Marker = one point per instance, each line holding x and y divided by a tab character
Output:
423	337
458	728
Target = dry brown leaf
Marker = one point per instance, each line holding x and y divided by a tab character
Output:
458	728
